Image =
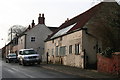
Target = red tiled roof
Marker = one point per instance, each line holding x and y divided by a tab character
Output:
80	20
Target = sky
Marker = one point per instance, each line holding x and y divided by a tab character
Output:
22	12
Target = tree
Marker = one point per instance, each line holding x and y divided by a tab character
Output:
105	25
14	31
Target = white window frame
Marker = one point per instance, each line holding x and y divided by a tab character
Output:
32	39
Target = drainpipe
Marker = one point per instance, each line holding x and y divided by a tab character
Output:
84	59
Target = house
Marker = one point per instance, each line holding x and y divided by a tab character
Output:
6	49
35	35
75	42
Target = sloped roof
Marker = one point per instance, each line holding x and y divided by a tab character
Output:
76	22
53	28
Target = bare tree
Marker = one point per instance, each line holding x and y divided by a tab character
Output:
14	31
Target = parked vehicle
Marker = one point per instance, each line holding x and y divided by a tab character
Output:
11	57
28	56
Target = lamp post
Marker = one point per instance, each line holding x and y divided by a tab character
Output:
11	41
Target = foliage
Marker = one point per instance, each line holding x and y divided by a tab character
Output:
15	30
105	25
107	52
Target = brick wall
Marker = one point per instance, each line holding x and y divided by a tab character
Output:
109	65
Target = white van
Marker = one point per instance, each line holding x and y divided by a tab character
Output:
28	56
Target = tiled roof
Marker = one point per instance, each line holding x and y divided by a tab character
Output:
79	21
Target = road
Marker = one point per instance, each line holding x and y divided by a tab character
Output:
14	70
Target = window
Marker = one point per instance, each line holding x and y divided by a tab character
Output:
62	50
56	51
70	49
20	53
32	39
27	52
76	49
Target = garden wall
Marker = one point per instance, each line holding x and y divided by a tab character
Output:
109	65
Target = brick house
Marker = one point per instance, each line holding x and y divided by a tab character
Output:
75	42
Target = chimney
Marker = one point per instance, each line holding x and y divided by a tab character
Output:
67	20
41	19
29	27
33	24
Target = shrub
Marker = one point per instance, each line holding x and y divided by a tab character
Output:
107	52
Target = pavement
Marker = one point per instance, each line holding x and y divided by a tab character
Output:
86	73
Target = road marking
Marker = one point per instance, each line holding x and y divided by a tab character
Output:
29	75
14	69
23	73
10	71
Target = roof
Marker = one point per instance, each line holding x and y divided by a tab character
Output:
74	23
53	28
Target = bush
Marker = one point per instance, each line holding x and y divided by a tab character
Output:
108	52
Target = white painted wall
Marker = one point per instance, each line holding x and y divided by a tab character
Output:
21	42
40	32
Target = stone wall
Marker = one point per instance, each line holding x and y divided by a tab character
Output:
70	59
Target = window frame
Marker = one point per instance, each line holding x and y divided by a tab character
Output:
77	51
62	51
70	49
33	39
56	51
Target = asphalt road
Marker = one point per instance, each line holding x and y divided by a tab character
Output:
14	70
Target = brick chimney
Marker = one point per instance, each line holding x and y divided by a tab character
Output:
29	27
33	23
67	20
41	19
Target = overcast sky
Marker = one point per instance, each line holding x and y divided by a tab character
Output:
22	12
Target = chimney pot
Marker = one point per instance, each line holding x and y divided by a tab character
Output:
42	15
33	24
41	19
39	15
67	20
29	27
